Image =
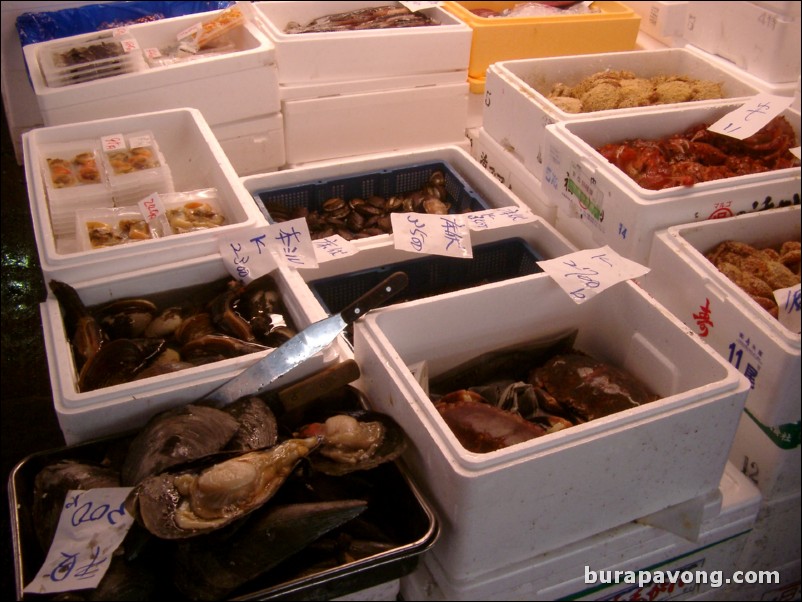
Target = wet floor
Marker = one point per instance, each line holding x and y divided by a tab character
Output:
29	422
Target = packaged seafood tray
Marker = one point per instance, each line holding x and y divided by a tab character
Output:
769	455
518	102
611	27
726	517
343	119
508	169
196	161
109	399
396	527
765	348
598	200
346	54
757	39
245	65
90	58
490	521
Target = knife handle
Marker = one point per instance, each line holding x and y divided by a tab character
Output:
374	297
333	377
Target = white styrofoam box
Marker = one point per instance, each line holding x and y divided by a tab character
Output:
512	504
383	591
249	77
769	455
354	55
776	536
618	212
507	168
727	515
196	161
112	410
253	145
345	125
664	21
458	159
759	345
758	40
517	108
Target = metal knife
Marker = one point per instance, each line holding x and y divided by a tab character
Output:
314	338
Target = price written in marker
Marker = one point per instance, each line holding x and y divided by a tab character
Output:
752	116
585	274
789	304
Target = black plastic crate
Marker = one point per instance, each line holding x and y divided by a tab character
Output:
384	183
434	274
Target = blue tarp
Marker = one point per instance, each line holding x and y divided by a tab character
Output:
44	26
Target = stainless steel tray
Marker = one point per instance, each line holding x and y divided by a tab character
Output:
395	508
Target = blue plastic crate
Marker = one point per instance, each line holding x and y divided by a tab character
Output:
383	183
434	274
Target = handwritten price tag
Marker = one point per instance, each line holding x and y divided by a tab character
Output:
112	142
752	116
491	219
333	247
92	525
789	301
152	208
431	234
246	254
586	273
293	243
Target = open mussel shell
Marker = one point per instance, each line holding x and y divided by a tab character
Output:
201	499
211	567
354	440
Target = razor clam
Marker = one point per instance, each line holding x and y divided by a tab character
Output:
356	440
213	566
195	501
176	436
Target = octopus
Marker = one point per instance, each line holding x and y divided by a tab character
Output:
759	272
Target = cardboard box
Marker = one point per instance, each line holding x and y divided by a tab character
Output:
617	211
741	331
504	507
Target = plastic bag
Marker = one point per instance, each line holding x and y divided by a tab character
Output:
44	26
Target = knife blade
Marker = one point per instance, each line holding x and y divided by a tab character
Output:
314	338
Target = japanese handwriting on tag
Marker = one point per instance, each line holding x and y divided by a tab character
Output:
788	303
752	116
293	243
498	218
586	273
246	254
333	247
92	525
432	234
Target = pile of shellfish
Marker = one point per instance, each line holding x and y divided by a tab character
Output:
231	500
134	338
510	396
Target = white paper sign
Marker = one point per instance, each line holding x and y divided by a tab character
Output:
113	142
500	217
293	243
152	208
416	5
586	273
92	525
788	302
752	116
333	247
432	234
246	254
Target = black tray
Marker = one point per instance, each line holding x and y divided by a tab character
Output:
395	507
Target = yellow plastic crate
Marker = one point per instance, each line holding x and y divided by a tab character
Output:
613	29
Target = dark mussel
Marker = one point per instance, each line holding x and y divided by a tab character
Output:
213	566
354	440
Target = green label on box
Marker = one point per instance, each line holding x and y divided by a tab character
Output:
784	436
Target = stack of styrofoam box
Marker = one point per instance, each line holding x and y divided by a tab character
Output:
598	204
766	446
505	508
196	161
115	409
237	92
575	571
663	21
347	93
761	38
